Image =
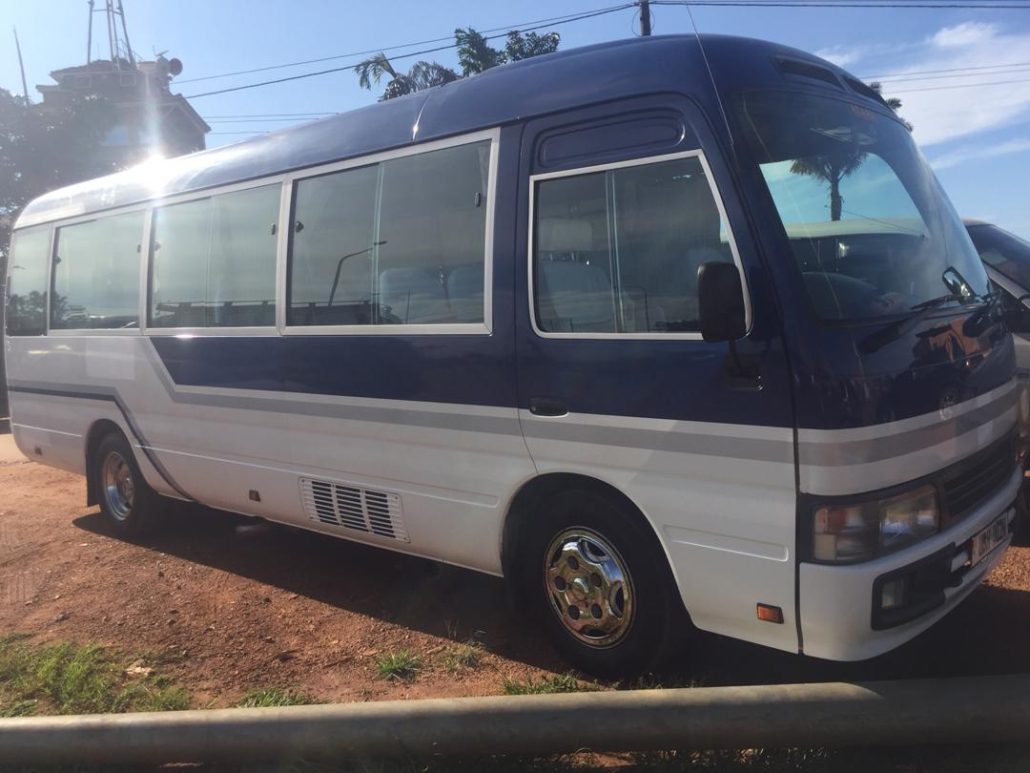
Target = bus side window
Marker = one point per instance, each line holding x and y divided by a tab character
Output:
96	274
401	242
214	259
618	251
26	282
332	248
432	235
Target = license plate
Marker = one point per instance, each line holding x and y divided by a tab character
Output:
988	539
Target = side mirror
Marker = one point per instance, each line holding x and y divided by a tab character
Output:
720	302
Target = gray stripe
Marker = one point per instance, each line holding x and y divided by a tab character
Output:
664	440
407	416
842	454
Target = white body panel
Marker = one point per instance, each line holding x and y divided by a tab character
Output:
726	521
217	445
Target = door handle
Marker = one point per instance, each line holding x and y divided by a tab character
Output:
547	406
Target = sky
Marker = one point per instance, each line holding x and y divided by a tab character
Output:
977	137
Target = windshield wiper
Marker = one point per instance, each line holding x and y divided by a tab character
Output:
960	291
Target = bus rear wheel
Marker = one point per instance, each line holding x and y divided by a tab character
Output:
600	585
128	503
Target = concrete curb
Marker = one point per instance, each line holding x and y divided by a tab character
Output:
983	710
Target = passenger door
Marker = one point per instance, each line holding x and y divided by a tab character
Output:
621	206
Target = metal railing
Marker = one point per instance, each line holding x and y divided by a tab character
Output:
985	709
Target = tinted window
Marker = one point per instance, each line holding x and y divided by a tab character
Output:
401	242
26	282
432	228
871	231
1017	315
618	251
214	261
96	274
1003	251
332	249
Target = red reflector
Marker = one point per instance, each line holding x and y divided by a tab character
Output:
770	614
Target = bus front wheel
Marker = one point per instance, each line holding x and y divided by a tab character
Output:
128	503
598	581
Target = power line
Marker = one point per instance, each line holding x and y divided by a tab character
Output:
841	4
545	22
950	69
423	52
960	86
266	120
271	115
887	82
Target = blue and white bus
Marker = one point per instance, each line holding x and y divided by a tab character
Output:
660	330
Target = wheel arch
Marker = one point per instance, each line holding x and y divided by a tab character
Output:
527	500
100	429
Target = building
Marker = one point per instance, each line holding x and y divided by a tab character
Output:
150	118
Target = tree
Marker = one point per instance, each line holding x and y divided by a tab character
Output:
46	147
831	168
422	75
475	55
894	103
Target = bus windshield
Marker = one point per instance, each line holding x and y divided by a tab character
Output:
869	227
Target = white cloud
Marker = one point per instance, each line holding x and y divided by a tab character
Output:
947	114
842	56
973	152
966	34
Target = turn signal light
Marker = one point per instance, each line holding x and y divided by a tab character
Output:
770	614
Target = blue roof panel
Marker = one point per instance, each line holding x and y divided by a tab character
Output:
506	94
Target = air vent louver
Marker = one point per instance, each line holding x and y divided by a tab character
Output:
335	504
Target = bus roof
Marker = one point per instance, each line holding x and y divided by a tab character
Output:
502	95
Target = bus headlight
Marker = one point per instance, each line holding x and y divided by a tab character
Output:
850	533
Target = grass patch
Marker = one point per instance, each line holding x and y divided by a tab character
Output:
400	665
77	679
548	685
272	697
461	657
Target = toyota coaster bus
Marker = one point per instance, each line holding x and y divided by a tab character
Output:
659	328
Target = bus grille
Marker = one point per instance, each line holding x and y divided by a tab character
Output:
978	478
348	507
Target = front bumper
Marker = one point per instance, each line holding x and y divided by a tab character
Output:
836	602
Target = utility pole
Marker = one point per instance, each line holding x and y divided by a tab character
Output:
21	66
645	17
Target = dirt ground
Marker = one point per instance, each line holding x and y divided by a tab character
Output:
226	606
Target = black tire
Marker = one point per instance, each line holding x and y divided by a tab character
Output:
652	615
126	500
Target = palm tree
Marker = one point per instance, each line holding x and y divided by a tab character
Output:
834	168
475	55
894	103
831	168
422	75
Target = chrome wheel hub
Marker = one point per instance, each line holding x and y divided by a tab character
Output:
119	488
589	587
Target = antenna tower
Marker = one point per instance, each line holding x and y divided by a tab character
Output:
117	33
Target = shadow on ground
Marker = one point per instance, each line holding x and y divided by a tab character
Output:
989	633
416	593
